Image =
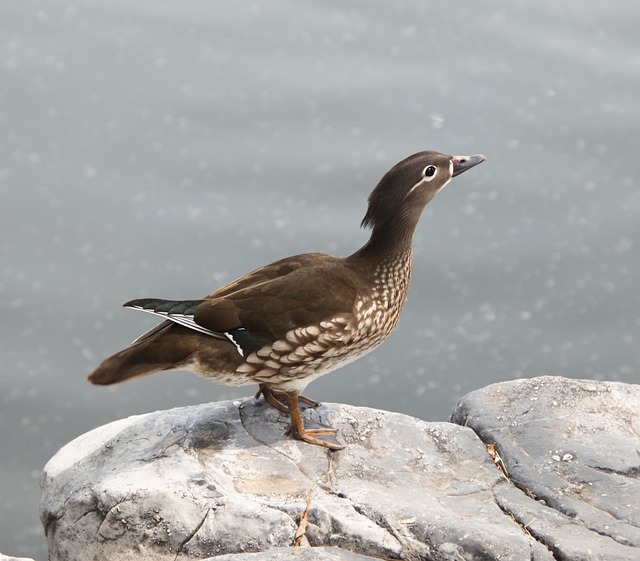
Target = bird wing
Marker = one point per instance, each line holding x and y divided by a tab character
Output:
272	308
275	270
264	305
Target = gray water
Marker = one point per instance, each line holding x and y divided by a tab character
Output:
158	148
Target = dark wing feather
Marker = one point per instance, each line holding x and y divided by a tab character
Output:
177	311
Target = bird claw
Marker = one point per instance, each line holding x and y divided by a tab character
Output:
319	435
308	435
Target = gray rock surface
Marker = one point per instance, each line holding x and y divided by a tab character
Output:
222	478
574	447
297	554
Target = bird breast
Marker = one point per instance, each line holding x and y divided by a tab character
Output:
305	353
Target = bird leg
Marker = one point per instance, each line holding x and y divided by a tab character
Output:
308	435
269	396
277	397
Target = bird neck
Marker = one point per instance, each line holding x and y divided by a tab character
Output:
389	243
385	263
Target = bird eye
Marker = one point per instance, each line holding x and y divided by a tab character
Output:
429	172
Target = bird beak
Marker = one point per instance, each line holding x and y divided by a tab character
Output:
463	163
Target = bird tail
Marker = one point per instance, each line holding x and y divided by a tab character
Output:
170	346
125	365
139	359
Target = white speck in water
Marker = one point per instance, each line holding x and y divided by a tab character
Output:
437	120
89	170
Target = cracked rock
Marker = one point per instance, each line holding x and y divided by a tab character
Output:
572	451
222	478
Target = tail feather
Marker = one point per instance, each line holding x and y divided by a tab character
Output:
170	346
139	359
123	366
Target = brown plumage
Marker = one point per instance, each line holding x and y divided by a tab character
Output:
289	322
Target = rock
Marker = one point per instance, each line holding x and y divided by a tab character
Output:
222	478
297	554
573	446
4	557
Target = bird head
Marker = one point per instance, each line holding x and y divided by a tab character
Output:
407	187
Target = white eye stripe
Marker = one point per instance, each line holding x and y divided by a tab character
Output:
415	187
425	180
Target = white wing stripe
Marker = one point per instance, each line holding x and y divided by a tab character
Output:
238	347
186	321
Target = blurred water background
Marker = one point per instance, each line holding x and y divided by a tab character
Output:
158	148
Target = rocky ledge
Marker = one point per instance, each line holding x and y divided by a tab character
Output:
539	469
